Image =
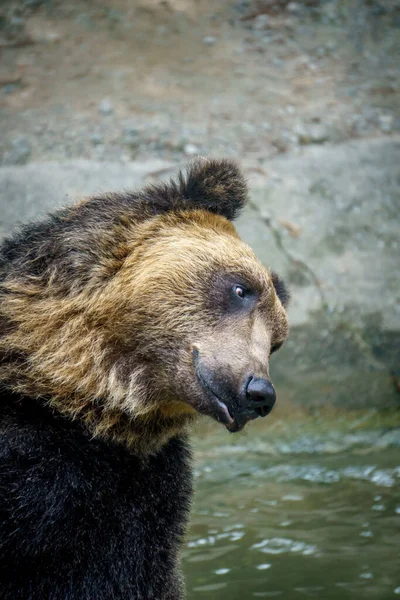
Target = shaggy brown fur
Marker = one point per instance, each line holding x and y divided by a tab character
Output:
102	306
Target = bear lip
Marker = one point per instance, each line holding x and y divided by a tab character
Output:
218	408
224	409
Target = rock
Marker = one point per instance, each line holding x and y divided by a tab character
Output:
39	129
17	24
131	137
19	152
10	88
260	23
288	137
386	123
46	36
209	40
106	107
33	3
191	149
97	139
248	128
359	124
320	51
277	62
294	7
52	37
313	133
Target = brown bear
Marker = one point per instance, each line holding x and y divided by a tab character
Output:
121	319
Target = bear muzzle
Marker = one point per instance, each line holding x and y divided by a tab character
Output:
254	398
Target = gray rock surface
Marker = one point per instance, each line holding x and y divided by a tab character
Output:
19	151
327	220
30	191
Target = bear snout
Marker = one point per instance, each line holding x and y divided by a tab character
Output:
228	402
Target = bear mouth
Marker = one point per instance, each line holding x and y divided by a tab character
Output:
216	407
232	413
220	412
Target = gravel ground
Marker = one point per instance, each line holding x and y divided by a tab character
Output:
127	80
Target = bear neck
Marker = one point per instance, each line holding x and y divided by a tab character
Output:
140	436
143	435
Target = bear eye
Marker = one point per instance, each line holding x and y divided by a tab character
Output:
239	291
240	298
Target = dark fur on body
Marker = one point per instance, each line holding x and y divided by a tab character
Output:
102	306
82	519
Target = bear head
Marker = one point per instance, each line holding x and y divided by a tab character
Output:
135	312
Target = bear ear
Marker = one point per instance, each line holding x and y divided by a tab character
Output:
215	185
281	289
208	184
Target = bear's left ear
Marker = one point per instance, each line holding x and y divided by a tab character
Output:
208	184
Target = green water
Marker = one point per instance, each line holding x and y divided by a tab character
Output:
304	515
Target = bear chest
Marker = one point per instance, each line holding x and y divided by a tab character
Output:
86	519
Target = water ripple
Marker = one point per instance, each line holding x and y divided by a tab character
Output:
319	474
277	545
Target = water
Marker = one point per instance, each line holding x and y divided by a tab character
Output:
312	516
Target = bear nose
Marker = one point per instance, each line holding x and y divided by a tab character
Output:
261	395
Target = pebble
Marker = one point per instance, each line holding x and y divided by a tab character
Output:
19	152
260	22
17	23
209	40
191	149
33	3
386	123
96	139
131	137
277	62
314	133
293	7
52	37
320	51
10	88
106	107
